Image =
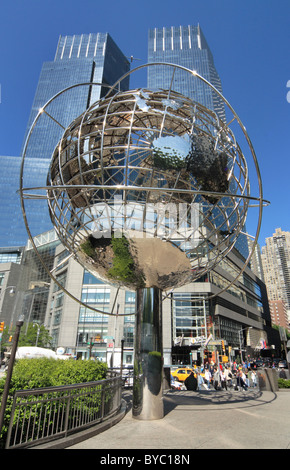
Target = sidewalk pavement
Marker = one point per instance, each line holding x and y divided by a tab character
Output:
204	420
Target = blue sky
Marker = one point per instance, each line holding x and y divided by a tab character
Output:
249	39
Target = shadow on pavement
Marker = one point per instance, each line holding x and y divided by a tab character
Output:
212	399
207	399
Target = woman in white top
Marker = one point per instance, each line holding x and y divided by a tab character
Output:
207	377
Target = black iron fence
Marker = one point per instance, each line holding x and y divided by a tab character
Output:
45	414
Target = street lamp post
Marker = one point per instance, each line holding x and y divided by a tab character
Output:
240	336
19	324
38	331
12	290
122	352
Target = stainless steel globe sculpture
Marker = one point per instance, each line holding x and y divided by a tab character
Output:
157	177
148	190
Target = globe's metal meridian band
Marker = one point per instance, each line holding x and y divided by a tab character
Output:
260	199
127	187
265	202
22	190
136	188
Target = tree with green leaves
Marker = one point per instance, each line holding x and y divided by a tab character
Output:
31	335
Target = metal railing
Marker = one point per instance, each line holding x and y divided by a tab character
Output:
127	374
45	414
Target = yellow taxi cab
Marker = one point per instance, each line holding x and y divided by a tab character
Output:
182	373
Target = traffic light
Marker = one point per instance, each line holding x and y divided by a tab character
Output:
2	326
10	338
223	345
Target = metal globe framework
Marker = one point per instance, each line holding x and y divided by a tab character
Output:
155	172
147	190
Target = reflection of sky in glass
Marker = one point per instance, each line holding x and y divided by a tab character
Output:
172	145
141	100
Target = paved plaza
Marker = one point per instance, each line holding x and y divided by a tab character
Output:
204	420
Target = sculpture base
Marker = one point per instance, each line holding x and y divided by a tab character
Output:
148	359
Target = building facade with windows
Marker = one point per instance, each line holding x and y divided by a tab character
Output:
276	267
12	230
86	58
185	46
239	314
190	313
279	315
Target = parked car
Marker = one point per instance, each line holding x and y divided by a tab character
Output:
282	364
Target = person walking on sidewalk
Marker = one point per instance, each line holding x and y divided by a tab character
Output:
200	381
191	382
223	380
254	378
229	377
207	378
240	381
216	379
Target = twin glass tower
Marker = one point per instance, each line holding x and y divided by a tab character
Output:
96	58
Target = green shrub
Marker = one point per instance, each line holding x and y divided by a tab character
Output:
123	264
44	372
124	268
88	248
283	383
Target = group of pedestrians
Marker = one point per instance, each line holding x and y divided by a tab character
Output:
221	377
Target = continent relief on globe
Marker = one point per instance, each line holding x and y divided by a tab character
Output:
135	261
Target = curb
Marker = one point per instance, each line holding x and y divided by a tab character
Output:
86	434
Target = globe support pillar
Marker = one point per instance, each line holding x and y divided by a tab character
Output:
148	360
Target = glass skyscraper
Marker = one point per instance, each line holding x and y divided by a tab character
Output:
13	232
192	313
85	58
185	46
